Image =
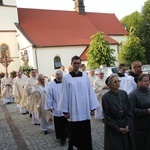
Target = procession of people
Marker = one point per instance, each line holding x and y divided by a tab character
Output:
71	98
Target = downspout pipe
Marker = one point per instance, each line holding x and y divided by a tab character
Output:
37	66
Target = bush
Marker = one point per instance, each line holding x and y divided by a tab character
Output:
26	69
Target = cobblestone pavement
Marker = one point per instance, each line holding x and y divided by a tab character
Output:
17	132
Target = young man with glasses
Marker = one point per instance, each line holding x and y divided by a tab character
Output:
78	102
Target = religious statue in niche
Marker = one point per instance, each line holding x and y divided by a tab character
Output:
4	50
25	57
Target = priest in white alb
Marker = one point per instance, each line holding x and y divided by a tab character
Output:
92	76
40	91
6	89
19	93
100	89
78	102
32	104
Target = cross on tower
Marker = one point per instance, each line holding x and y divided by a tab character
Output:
5	61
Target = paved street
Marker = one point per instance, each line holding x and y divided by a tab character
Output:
17	132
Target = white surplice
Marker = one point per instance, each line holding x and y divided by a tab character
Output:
123	81
130	84
53	97
77	97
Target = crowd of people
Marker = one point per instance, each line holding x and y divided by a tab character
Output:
67	102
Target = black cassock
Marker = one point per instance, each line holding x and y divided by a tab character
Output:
140	101
117	114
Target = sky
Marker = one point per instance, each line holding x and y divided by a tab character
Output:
120	8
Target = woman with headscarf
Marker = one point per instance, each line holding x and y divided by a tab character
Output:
140	102
118	117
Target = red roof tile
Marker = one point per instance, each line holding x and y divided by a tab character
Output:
108	23
46	28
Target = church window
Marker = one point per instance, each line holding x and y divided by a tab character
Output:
57	62
4	50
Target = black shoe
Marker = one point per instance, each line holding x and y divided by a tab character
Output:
36	124
45	132
103	120
27	112
30	115
70	148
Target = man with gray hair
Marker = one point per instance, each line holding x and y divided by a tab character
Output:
29	88
19	93
53	97
39	94
92	76
100	88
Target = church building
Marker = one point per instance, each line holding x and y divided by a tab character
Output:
47	39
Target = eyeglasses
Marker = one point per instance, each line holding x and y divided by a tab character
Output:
117	81
101	73
76	63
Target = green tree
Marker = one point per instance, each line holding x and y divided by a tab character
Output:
132	20
99	52
144	29
132	50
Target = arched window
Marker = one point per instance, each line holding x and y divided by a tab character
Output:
57	62
4	49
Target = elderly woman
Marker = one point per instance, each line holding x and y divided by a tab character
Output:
140	101
118	117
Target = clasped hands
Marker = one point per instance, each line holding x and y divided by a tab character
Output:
124	130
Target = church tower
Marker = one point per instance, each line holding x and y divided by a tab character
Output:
8	40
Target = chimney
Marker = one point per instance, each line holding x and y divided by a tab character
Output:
79	6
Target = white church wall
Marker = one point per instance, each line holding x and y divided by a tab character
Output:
9	38
9	2
8	15
115	47
119	39
24	44
45	57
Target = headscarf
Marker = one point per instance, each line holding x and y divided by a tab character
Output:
109	79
